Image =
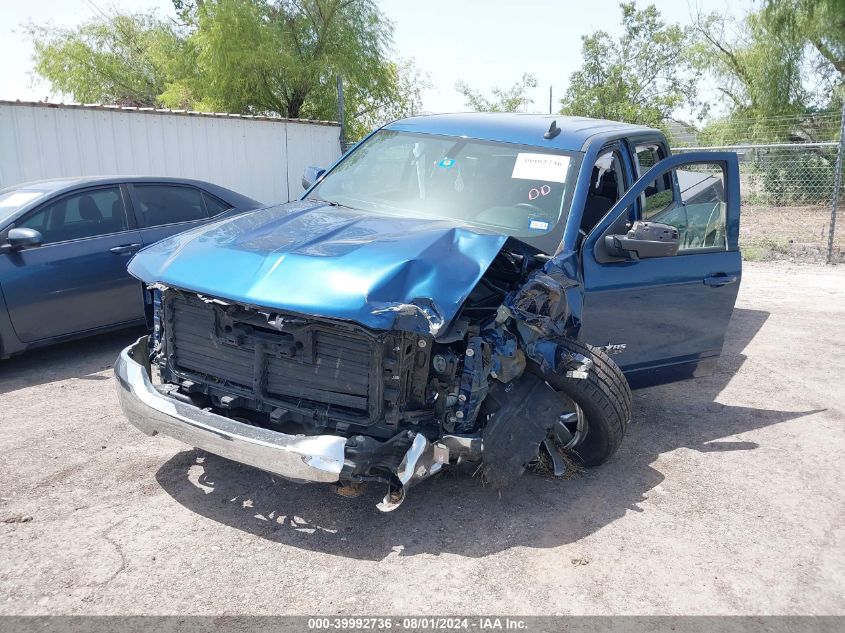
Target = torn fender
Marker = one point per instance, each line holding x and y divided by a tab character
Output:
525	411
547	307
384	272
549	303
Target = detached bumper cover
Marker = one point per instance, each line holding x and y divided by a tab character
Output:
318	458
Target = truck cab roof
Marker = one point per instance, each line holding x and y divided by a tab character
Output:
576	133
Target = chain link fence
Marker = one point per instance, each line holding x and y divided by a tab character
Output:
787	188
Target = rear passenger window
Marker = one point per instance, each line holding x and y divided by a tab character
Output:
87	214
659	195
214	205
648	156
167	204
606	187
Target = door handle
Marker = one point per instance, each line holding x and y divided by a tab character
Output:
720	279
125	249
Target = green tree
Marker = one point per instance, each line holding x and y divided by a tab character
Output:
643	77
403	99
775	68
120	59
513	99
246	56
757	73
283	57
818	26
779	69
786	58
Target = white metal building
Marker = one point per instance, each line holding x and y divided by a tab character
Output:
260	157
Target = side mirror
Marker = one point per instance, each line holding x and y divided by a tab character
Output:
312	174
21	238
643	240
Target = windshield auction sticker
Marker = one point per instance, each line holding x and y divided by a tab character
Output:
548	167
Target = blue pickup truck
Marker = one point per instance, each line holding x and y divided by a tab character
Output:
474	287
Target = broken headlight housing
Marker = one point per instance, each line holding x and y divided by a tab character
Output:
152	314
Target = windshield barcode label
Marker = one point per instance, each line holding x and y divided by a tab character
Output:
548	167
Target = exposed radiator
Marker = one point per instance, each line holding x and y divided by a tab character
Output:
303	363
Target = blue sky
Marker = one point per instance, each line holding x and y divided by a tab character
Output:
484	42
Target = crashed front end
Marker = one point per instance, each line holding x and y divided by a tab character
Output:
392	393
404	460
359	399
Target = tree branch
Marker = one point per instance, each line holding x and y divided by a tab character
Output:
828	54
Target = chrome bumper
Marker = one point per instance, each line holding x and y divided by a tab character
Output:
317	458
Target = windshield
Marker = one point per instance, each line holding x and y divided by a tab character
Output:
513	189
12	200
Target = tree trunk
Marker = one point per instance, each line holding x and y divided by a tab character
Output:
295	102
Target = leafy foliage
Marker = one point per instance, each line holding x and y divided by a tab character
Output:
803	127
757	73
788	58
513	99
803	177
643	77
257	56
246	56
404	99
124	59
818	25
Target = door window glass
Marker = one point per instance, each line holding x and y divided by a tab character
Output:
87	214
167	204
700	215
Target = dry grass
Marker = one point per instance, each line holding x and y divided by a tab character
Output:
545	468
797	233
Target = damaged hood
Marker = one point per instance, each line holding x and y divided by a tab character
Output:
383	272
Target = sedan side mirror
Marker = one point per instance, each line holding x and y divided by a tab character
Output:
312	174
643	240
21	238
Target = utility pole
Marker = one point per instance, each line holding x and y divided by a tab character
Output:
340	113
550	99
837	187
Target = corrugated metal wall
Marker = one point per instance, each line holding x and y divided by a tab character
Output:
259	157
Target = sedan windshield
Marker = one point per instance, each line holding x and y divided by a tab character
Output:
11	200
513	189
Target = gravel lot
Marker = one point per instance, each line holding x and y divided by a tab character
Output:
727	496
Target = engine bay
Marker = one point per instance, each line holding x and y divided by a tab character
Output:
313	375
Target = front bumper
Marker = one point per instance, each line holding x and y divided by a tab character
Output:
317	458
303	458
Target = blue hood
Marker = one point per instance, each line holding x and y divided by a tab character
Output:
383	272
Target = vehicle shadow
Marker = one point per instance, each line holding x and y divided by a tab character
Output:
448	512
76	359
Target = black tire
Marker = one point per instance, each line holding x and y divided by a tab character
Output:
605	398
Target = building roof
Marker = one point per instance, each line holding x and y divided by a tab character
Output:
193	113
525	129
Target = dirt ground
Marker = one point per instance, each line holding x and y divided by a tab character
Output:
727	497
798	234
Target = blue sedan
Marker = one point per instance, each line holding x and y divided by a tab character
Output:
65	243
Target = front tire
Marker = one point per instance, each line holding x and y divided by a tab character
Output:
604	397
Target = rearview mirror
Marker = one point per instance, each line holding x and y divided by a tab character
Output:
312	174
644	240
21	238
